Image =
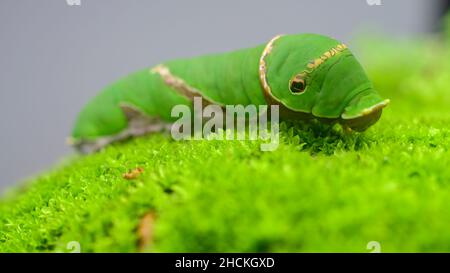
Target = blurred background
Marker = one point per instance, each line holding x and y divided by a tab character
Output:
54	57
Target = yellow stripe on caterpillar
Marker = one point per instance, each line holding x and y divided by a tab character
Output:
325	56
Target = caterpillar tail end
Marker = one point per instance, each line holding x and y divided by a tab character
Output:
86	147
138	124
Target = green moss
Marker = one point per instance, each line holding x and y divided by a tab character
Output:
321	190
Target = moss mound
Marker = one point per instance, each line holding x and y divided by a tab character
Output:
321	190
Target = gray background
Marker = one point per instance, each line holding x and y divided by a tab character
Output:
55	57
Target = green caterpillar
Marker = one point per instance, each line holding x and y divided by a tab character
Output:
307	75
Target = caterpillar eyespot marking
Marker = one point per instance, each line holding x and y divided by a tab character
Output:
297	85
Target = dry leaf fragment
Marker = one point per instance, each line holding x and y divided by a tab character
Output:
133	174
145	230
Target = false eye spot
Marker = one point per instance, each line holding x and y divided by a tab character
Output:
297	86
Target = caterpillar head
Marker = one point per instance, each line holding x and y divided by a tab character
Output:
314	75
